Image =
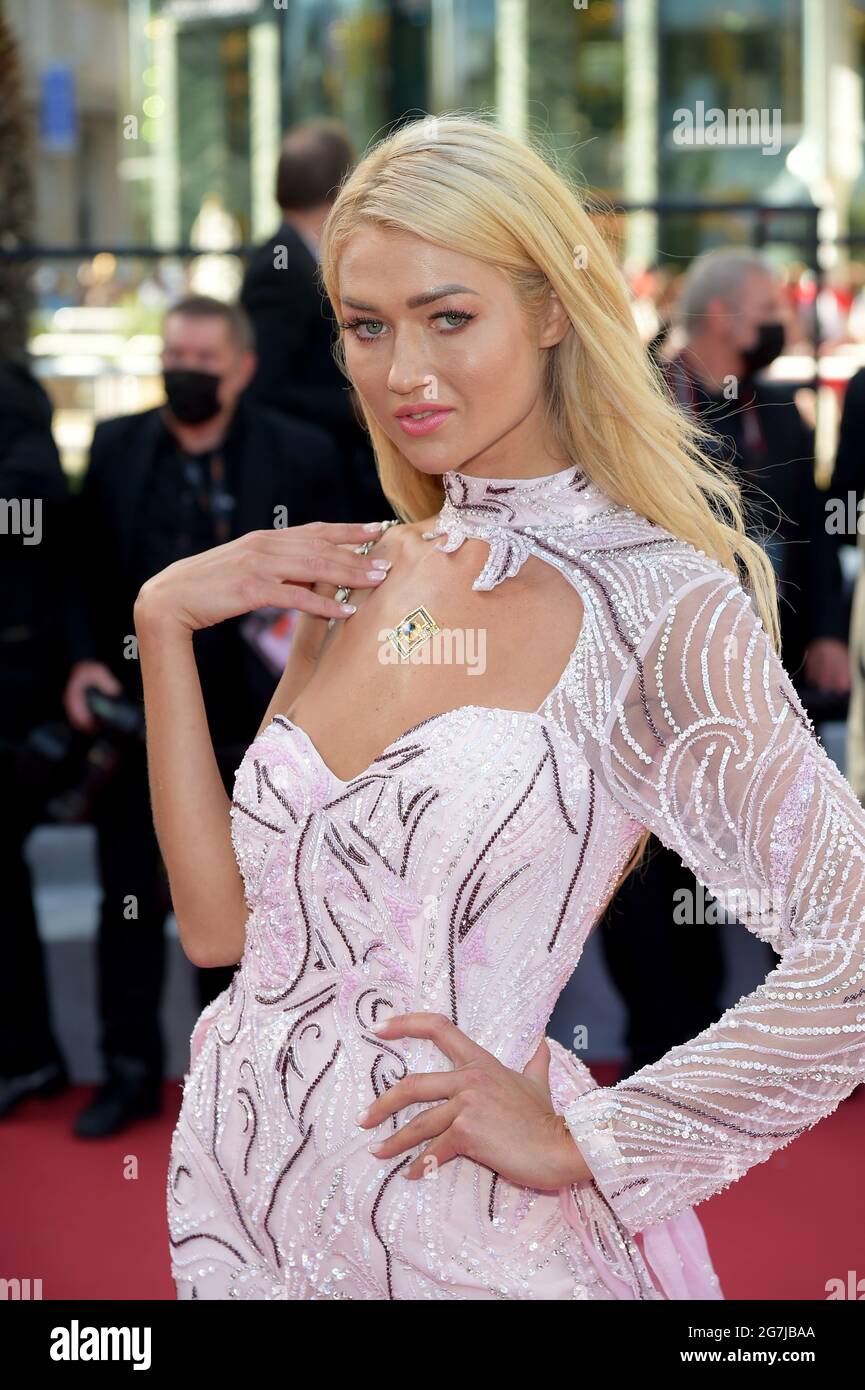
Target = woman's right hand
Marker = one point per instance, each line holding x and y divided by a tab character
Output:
271	568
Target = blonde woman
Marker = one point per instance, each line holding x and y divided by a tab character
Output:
426	831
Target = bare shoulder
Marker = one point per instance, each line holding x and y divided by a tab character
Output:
400	534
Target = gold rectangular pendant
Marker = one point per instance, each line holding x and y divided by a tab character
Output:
414	629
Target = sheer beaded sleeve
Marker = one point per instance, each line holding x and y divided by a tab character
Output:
706	743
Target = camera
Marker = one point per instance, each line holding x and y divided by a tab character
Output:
66	770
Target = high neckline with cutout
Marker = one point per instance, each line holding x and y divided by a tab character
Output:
509	512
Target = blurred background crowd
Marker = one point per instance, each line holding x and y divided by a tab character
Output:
167	383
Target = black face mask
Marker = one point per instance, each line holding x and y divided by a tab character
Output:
192	396
769	345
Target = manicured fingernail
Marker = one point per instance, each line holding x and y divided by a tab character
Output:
349	607
376	1144
381	564
376	574
361	1116
379	1027
373	526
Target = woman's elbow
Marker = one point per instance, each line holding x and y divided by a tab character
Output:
210	959
208	954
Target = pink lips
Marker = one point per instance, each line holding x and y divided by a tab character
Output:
426	426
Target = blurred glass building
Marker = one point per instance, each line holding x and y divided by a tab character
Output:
605	78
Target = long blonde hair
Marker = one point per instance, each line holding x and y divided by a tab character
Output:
458	181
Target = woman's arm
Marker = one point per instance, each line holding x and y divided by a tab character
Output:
708	745
191	809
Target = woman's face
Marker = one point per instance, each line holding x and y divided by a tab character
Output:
443	332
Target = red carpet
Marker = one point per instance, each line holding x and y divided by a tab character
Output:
88	1216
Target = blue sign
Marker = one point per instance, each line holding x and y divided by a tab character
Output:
58	118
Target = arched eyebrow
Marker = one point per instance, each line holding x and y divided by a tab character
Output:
416	300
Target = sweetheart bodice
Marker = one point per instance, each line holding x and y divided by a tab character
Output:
285	721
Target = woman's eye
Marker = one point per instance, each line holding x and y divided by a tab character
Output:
461	315
355	324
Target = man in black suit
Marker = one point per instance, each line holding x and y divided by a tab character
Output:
731	308
294	324
670	974
162	485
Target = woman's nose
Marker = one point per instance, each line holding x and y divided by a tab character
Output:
411	366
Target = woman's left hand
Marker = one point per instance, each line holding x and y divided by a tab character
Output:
491	1114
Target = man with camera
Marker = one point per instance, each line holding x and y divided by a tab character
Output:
171	482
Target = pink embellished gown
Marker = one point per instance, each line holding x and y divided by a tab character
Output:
462	873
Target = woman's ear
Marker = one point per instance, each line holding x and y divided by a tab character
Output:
556	323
